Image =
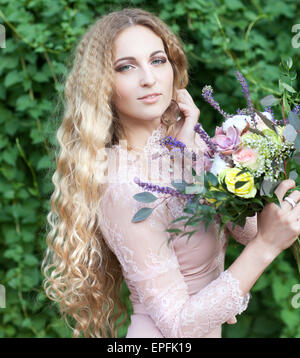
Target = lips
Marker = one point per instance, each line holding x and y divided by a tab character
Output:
150	95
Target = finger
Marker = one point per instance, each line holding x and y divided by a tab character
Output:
295	213
295	195
283	187
232	320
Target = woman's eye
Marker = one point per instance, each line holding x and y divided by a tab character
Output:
163	60
121	69
125	67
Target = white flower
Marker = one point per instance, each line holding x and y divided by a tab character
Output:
239	121
218	165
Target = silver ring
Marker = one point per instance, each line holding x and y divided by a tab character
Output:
291	201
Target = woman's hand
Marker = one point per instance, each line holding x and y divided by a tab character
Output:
191	113
232	320
278	228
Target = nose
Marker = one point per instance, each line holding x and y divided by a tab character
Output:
147	77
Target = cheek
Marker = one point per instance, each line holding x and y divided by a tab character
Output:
123	92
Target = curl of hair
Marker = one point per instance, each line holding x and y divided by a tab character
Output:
81	273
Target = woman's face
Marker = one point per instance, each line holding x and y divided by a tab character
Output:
147	71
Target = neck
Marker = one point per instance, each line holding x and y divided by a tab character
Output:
137	138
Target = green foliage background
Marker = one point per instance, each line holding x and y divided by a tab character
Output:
220	37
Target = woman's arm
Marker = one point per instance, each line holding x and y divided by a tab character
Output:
251	263
150	265
278	228
151	269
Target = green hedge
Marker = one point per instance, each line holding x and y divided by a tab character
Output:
220	37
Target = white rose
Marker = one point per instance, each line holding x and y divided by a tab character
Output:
239	121
218	165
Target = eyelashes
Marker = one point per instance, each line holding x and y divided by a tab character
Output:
122	68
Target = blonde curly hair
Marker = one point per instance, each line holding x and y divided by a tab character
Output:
81	273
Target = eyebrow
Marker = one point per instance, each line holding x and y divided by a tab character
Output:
132	58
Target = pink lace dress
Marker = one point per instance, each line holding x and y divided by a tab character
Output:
177	289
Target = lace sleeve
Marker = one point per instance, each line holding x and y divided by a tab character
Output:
246	234
150	265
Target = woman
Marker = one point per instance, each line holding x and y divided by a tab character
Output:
178	289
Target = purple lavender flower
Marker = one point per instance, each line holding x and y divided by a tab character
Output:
270	110
174	143
205	137
207	94
296	109
245	89
161	189
244	111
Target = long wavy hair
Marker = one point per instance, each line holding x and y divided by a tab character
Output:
81	273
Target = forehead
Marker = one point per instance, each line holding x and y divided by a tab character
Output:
136	40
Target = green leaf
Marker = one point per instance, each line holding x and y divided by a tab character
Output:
179	185
269	101
296	157
179	219
297	142
13	77
293	175
145	197
290	133
141	215
256	131
288	87
267	187
294	120
173	230
212	179
239	184
267	122
194	189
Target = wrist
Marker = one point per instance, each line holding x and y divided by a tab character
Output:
266	252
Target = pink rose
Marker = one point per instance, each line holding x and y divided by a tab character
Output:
227	142
247	157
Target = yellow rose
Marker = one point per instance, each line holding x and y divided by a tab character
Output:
248	190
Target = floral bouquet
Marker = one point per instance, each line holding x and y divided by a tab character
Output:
246	159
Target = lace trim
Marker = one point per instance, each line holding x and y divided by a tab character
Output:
220	300
242	301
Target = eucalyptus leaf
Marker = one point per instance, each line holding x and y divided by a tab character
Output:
194	189
269	100
179	185
297	142
293	119
296	157
290	133
141	215
267	187
145	197
293	175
